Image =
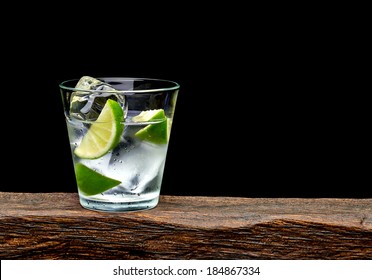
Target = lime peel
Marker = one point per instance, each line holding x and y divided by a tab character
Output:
91	182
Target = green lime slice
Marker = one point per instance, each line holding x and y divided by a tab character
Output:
104	134
157	133
91	182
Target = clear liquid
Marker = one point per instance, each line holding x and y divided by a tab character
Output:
139	165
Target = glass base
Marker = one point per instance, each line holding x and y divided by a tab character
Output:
117	206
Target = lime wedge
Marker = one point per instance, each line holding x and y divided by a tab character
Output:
104	134
91	182
158	132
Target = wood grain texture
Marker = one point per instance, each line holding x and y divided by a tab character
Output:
55	226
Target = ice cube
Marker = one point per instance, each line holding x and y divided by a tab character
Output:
137	163
87	105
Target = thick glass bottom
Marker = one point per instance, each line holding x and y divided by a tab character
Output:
119	206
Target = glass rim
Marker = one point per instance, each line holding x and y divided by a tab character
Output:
172	85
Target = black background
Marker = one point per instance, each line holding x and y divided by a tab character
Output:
264	110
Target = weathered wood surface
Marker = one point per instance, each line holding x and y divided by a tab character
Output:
55	226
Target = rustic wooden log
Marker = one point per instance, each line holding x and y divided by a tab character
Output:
55	226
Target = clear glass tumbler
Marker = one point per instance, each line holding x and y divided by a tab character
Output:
119	130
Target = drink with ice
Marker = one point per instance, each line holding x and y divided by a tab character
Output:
119	132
